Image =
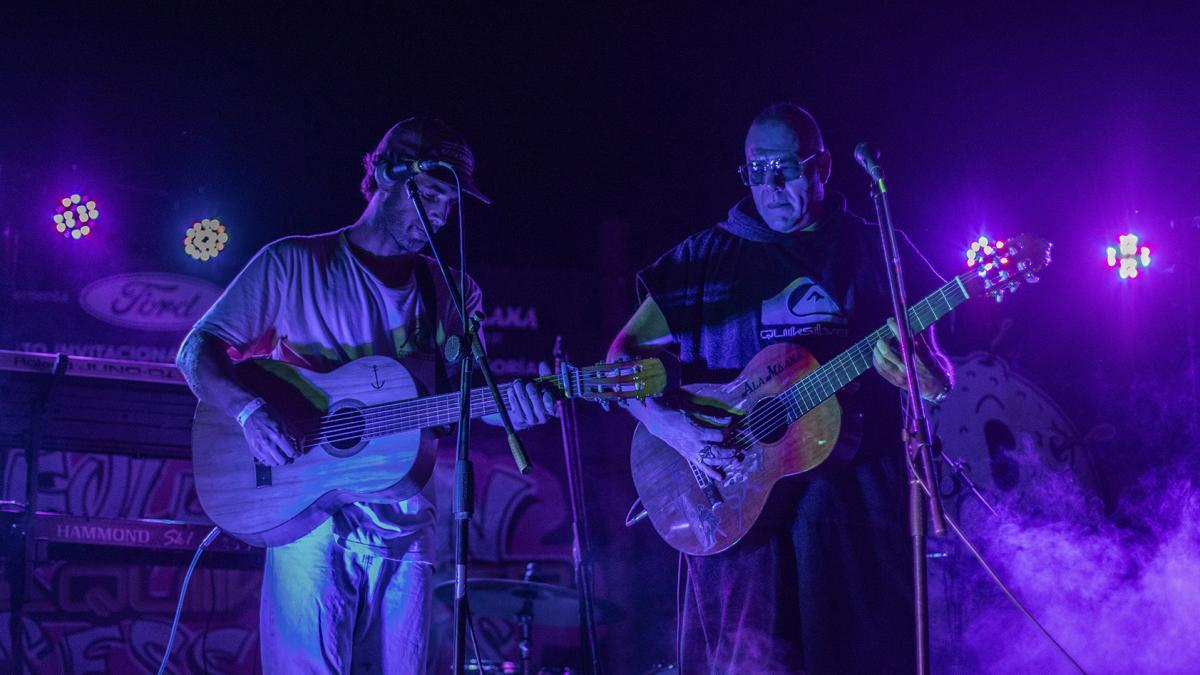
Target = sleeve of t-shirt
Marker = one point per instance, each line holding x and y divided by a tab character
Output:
472	299
451	323
244	317
667	281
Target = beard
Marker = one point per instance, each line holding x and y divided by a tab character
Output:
406	233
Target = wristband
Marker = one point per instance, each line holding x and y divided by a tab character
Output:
249	410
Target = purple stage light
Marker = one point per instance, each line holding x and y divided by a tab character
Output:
205	239
1127	256
984	253
75	215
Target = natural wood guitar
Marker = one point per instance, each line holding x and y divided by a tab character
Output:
786	420
364	433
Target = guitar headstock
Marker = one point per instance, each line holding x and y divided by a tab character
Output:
639	378
999	267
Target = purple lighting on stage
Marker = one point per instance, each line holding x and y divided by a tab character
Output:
1127	256
205	239
986	254
75	215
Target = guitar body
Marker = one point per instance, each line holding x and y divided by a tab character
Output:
269	506
681	509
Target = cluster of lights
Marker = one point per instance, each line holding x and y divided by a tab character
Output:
982	252
74	215
205	239
1127	257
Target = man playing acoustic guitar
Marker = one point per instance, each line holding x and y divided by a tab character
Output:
822	582
355	593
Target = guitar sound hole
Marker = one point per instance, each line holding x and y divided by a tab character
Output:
768	421
344	429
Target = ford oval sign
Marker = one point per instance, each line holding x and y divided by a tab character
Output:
149	300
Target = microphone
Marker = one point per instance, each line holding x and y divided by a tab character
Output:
390	175
867	157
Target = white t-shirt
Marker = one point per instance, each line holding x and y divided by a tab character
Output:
309	301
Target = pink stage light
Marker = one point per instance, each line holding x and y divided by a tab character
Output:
205	239
1127	256
75	216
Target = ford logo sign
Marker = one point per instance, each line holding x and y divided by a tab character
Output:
149	300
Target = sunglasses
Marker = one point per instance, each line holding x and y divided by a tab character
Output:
760	171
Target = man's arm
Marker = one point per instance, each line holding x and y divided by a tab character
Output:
935	372
204	362
647	334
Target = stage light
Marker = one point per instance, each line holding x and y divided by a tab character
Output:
1127	256
205	239
72	215
981	248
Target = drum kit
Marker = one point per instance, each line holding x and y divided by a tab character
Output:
526	603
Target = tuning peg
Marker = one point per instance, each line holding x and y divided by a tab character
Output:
604	404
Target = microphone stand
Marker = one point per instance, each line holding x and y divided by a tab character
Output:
916	436
464	471
581	553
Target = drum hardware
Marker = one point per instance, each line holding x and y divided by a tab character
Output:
527	603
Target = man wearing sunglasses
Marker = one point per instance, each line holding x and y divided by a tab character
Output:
822	582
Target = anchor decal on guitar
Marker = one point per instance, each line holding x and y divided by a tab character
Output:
378	383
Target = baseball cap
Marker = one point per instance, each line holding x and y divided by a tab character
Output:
425	138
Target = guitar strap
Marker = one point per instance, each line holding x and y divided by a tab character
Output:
427	326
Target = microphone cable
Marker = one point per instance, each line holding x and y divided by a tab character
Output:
162	667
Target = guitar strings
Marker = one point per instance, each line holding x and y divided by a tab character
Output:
372	423
386	418
395	416
805	392
756	424
578	374
793	402
390	417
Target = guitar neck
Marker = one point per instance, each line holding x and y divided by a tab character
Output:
432	411
827	380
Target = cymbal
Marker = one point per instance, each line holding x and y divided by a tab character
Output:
547	604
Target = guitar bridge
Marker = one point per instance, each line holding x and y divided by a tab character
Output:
262	475
710	490
707	486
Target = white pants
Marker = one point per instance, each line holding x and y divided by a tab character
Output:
326	609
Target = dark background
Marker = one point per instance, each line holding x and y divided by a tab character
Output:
606	135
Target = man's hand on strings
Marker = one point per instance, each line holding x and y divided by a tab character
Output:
930	378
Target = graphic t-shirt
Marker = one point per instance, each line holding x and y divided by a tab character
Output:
731	290
310	302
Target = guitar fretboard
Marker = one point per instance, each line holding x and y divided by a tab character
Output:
386	419
828	379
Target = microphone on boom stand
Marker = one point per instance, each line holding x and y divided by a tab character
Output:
388	175
867	157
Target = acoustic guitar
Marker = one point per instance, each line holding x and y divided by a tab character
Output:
786	420
364	432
